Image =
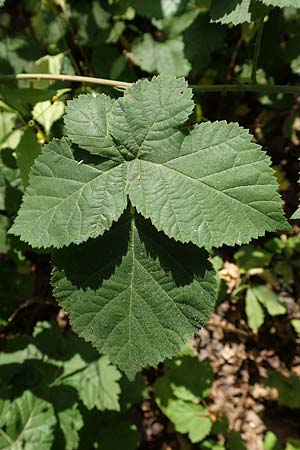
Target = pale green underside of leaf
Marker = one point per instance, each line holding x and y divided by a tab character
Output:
135	294
296	215
210	186
29	425
231	11
282	3
161	57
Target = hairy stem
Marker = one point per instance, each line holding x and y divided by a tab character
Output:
76	78
201	88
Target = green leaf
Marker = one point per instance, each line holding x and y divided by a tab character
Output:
96	382
209	444
271	442
105	431
87	121
235	441
269	300
2	3
29	424
288	388
69	417
26	152
67	201
135	294
254	312
235	192
192	388
173	26
282	3
46	113
159	8
293	444
231	11
211	186
250	257
296	215
23	99
9	135
18	53
4	225
189	418
296	325
94	378
161	57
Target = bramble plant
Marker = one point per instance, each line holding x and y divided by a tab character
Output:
140	287
116	201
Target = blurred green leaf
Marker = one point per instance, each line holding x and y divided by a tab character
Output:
27	150
269	300
254	312
296	325
161	57
198	50
271	442
235	441
250	257
46	113
288	388
293	444
189	418
231	11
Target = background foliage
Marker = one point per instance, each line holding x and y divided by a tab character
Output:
237	385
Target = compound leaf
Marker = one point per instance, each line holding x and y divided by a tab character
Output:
210	186
135	294
68	202
29	424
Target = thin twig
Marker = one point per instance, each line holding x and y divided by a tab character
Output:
201	88
60	77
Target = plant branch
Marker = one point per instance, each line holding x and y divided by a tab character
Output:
255	87
257	49
59	77
201	88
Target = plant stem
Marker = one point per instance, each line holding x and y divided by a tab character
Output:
262	88
257	49
76	78
201	88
